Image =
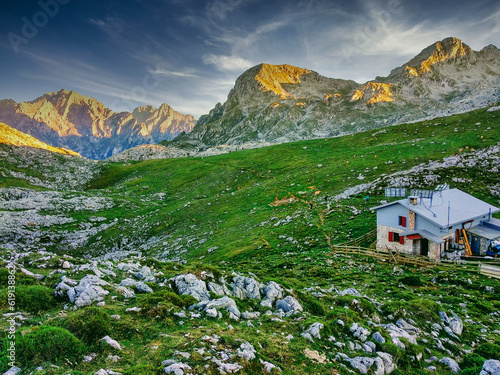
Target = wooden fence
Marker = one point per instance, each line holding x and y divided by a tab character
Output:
365	238
485	266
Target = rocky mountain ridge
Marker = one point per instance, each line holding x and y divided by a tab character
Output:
84	125
281	103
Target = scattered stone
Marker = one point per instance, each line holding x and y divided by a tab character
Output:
113	358
451	363
226	368
225	303
183	354
491	367
378	337
246	351
245	287
143	287
288	304
13	371
268	366
125	292
177	368
315	356
190	285
111	342
133	309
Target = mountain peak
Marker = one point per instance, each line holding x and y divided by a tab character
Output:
448	48
271	77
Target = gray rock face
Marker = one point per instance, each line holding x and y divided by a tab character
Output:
378	337
177	368
245	287
491	367
246	351
272	291
451	363
125	292
12	371
190	285
289	304
88	291
220	290
224	303
143	287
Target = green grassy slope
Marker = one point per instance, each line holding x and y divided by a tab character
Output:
223	201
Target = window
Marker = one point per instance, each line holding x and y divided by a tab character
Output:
395	237
402	221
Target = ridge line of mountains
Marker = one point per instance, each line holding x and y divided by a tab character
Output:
272	103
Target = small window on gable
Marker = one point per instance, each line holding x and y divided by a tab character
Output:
402	221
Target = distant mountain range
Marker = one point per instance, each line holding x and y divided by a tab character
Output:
69	120
272	104
280	103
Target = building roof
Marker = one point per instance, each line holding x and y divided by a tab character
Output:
485	231
424	233
447	207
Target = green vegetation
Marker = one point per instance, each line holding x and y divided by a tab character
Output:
212	216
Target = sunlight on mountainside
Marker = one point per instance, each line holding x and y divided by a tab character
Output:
271	77
15	137
377	92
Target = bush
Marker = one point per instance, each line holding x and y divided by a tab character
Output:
164	298
412	281
488	351
32	298
51	344
472	360
89	324
21	278
311	304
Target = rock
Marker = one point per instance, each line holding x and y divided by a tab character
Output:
143	287
190	285
456	325
245	287
133	309
360	332
314	330
101	372
288	304
378	337
443	316
125	292
111	342
143	273
250	315
13	371
491	367
272	291
113	358
369	347
388	361
89	291
183	354
451	363
362	364
212	313
246	351
128	282
266	303
227	368
350	291
307	336
220	290
315	356
66	265
225	303
268	366
177	368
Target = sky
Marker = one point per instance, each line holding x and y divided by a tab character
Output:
188	53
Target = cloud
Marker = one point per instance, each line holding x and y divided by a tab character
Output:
112	26
165	72
227	63
218	9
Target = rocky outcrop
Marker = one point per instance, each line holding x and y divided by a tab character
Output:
281	103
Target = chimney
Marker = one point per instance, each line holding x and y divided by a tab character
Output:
413	200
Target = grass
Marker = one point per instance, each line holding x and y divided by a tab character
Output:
212	216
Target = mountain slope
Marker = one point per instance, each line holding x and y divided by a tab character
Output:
68	119
11	136
280	103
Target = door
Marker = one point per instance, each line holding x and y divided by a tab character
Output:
475	245
424	247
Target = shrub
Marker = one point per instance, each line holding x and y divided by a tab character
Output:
21	278
51	344
471	371
89	324
488	351
472	360
412	281
311	304
164	298
31	298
